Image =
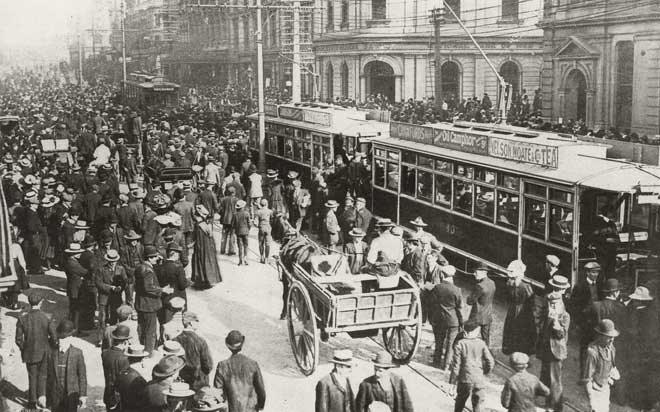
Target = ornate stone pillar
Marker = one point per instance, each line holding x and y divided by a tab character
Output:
363	87
398	92
561	105
589	110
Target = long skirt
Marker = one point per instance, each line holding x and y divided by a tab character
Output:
205	269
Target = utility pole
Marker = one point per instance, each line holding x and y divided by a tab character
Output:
261	164
123	44
438	18
295	67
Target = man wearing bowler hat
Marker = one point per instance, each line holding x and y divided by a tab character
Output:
239	378
481	301
148	298
67	376
584	294
334	392
114	361
600	370
384	386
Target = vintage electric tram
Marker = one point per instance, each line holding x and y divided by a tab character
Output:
494	194
149	91
302	136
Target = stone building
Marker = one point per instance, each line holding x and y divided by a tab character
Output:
387	46
602	63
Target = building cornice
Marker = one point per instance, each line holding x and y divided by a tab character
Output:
549	24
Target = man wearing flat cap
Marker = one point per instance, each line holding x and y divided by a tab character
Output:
334	392
521	389
239	378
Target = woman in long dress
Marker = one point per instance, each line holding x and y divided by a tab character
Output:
205	269
18	261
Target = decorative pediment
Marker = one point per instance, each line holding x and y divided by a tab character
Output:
575	47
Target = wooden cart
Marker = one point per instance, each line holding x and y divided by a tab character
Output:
315	311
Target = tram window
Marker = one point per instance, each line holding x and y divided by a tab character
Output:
507	209
280	145
317	159
443	166
308	135
535	214
442	190
392	176
327	156
326	140
561	223
537	190
425	162
424	185
379	152
297	133
297	150
463	197
317	138
465	171
392	155
484	205
508	181
484	175
408	157
561	195
271	142
379	173
307	152
407	180
288	148
288	131
349	145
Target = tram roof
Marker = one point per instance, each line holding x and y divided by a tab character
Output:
581	169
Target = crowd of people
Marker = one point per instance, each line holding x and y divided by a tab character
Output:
130	253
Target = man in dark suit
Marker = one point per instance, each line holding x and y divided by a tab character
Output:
111	282
186	210
67	375
444	305
241	226
334	392
75	273
114	362
132	256
227	210
239	378
199	362
148	298
208	199
363	217
481	301
413	261
383	386
171	273
35	335
551	348
130	384
584	294
605	237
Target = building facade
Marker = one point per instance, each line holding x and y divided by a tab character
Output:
217	45
602	64
369	47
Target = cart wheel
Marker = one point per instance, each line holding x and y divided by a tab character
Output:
303	333
402	341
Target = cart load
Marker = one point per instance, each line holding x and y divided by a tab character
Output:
324	299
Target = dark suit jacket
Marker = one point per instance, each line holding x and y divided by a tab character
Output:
520	391
106	279
35	335
199	362
75	373
130	386
445	302
186	210
413	263
581	299
208	199
128	218
370	391
227	209
114	362
332	397
147	289
154	398
355	260
552	343
363	220
239	379
75	272
482	302
172	274
241	222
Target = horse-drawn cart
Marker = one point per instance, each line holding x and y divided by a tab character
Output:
325	299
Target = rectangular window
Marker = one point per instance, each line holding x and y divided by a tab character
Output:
407	180
424	161
379	152
297	150
307	152
408	157
288	148
508	206
378	9
561	196
317	158
535	215
508	181
464	171
379	173
424	185
485	175
442	190
442	166
510	10
536	190
280	145
484	206
393	155
392	176
463	197
561	224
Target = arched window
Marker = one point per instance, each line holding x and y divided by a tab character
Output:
511	74
344	14
625	65
329	82
331	15
451	81
344	80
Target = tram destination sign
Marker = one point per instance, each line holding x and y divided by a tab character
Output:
449	139
304	115
538	154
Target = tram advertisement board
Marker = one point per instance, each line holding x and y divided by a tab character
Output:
449	139
291	113
270	109
533	153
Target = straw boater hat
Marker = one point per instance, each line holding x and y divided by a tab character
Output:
271	173
81	225
171	347
606	328
331	204
111	255
240	204
357	232
136	351
74	248
384	360
25	162
292	174
32	197
132	235
642	294
30	180
418	222
342	357
208	399
559	282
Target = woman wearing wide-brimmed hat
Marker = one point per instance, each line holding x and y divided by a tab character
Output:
205	269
